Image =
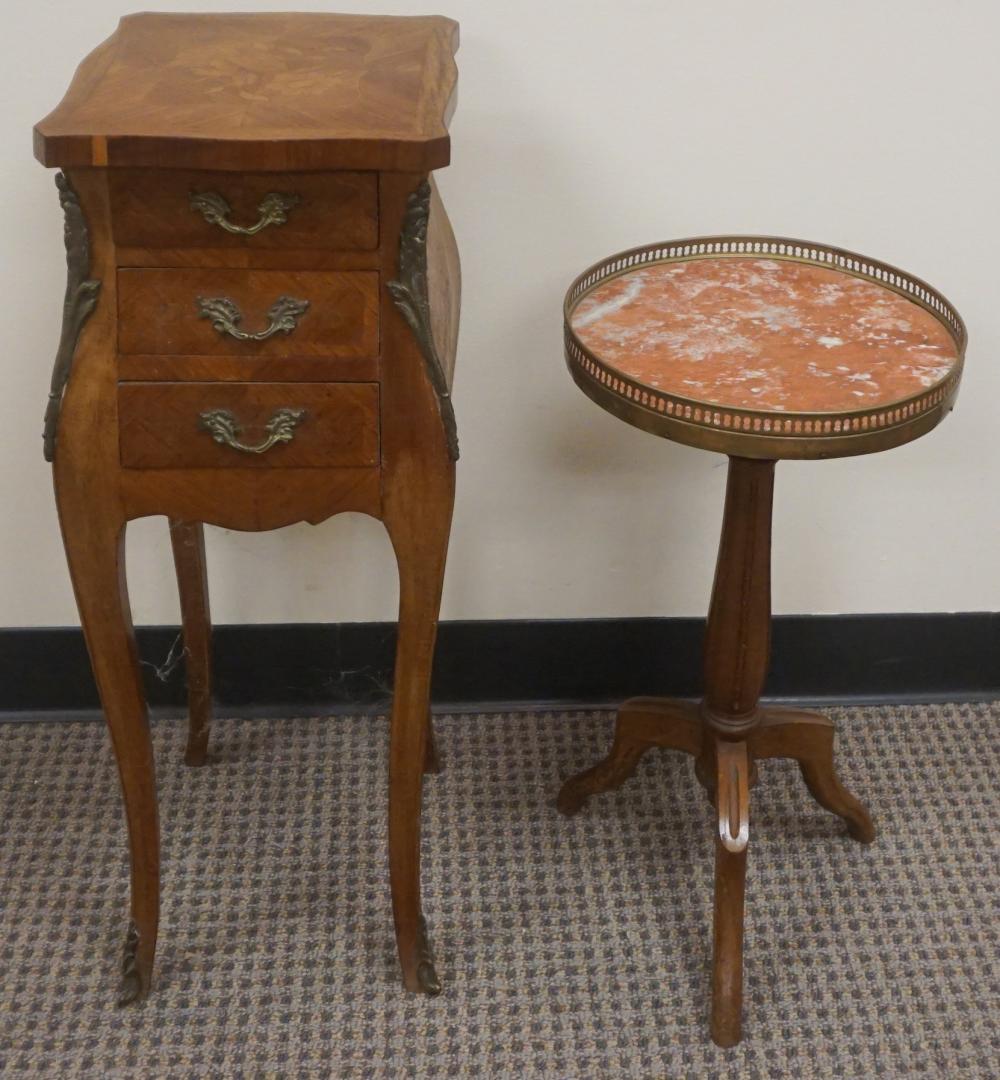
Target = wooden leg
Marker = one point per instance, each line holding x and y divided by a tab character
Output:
641	724
732	792
730	729
420	545
807	737
96	555
432	763
737	648
188	540
92	518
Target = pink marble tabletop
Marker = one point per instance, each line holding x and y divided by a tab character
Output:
767	334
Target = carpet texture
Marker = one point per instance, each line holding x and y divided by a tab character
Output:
568	947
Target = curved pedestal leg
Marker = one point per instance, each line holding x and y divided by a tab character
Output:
641	723
807	737
732	792
729	730
421	547
96	554
188	542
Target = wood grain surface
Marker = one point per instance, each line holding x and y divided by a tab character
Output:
241	106
332	211
158	312
270	91
159	426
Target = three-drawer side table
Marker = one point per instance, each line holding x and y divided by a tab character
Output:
259	328
760	348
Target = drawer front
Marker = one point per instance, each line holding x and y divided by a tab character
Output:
167	208
263	313
245	425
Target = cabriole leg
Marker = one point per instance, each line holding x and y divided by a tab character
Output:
641	724
420	545
808	738
96	554
188	542
432	763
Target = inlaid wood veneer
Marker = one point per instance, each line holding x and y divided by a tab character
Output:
327	211
259	328
165	312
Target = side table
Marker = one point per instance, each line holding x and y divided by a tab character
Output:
760	348
259	328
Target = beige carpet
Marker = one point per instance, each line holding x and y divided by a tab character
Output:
568	948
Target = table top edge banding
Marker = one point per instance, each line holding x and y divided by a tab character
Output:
794	433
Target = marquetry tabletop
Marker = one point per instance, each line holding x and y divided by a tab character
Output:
269	91
764	347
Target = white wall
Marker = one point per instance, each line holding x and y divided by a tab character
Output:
582	128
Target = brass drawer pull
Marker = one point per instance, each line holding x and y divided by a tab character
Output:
273	210
222	426
283	316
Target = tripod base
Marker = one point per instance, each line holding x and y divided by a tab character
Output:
725	765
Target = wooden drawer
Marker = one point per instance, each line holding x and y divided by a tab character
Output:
166	208
309	425
167	312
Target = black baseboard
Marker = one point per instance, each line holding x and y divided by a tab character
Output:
314	668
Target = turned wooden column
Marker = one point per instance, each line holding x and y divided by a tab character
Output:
738	637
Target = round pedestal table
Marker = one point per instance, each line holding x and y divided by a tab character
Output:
760	348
